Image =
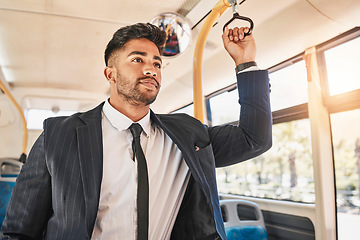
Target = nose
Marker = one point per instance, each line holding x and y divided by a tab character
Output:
148	71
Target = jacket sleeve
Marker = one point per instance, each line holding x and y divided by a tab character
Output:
30	204
253	134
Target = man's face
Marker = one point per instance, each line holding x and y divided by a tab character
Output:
138	72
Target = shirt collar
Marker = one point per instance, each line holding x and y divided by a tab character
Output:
122	122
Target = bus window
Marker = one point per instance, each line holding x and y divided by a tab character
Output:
346	144
221	114
287	83
341	97
284	172
36	117
189	109
288	86
342	64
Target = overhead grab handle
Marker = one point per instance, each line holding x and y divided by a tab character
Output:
237	16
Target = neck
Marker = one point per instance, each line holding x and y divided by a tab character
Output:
132	110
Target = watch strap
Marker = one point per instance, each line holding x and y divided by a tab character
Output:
244	66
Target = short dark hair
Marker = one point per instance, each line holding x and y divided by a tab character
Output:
135	31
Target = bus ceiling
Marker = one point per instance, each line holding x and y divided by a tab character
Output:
38	50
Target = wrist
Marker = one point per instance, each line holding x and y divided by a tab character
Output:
242	66
241	60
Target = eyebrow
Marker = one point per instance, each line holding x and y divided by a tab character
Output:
144	54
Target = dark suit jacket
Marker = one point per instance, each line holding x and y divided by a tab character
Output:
57	193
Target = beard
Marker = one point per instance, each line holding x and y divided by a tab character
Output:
132	93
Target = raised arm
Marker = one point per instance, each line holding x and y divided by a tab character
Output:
253	135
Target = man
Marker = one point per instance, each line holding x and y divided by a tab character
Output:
80	180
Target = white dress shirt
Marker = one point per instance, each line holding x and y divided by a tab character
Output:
168	178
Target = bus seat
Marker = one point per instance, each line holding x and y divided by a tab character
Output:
252	228
10	169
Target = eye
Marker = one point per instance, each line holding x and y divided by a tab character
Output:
137	60
158	65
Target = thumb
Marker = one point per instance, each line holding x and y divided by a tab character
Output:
225	35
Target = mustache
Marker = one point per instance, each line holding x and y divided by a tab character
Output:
149	77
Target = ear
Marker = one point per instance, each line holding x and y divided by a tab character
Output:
110	73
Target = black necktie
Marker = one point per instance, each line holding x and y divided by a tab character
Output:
143	184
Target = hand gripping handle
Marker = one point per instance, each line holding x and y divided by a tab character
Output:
237	16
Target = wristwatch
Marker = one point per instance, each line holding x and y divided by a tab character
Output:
243	66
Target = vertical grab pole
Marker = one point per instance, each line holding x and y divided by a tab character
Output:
215	13
12	99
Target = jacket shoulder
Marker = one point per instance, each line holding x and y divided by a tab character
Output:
184	127
180	120
75	119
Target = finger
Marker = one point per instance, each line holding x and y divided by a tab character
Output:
226	32
231	37
236	34
225	35
241	33
246	30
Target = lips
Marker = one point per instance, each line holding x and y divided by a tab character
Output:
149	83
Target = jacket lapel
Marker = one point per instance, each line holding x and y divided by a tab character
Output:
185	148
90	148
186	144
